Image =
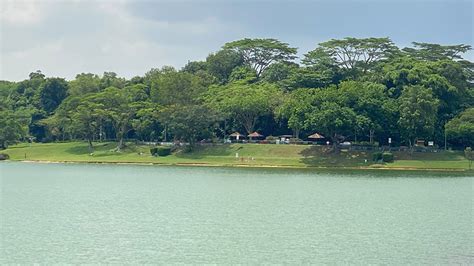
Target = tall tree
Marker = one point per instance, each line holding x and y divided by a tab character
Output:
187	122
13	126
173	87
221	64
434	52
295	109
77	116
377	113
194	67
460	130
418	110
84	83
111	79
353	54
118	107
146	121
261	53
244	103
85	120
333	120
52	92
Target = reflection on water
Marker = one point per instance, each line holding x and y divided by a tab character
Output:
65	213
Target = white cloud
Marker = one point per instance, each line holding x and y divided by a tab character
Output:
21	11
85	36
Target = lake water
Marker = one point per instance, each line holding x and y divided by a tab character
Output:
71	213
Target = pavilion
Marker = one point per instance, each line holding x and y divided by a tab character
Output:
237	135
255	135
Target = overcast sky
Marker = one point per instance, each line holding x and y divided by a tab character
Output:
64	38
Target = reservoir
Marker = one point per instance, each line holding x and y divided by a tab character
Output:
128	214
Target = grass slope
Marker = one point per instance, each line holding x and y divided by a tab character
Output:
225	155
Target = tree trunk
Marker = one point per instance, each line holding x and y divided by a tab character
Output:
248	127
100	133
296	133
334	143
165	133
120	134
371	136
120	142
411	146
91	148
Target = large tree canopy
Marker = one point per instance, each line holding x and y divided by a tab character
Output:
418	108
52	92
13	126
84	83
461	128
433	51
352	54
221	64
261	53
357	89
244	103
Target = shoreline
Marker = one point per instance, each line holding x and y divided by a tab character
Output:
250	166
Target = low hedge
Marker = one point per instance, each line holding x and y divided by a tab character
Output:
377	156
160	151
387	157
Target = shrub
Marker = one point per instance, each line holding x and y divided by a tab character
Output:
296	141
4	156
271	138
187	149
163	151
376	156
387	157
153	151
366	143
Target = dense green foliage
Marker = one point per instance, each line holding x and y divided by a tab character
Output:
363	90
387	157
160	151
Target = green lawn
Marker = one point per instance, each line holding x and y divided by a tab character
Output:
225	155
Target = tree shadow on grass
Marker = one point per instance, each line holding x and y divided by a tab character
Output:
201	151
83	148
324	156
429	156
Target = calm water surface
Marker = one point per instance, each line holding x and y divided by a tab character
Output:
65	213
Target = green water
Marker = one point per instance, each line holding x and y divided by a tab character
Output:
64	213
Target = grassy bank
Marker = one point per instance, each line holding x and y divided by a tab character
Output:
225	155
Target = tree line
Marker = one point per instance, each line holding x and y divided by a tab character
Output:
358	89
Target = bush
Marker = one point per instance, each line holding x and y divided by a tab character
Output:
154	151
160	151
296	141
4	156
387	157
366	143
376	156
163	151
271	138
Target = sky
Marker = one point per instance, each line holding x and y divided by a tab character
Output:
68	37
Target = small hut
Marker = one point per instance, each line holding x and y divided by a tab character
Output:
316	136
236	135
255	135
